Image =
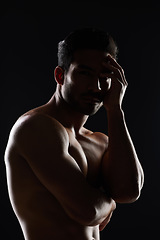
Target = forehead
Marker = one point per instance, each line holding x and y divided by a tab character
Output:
89	57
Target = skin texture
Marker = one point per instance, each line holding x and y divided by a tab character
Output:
64	180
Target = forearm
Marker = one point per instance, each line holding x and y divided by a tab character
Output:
122	172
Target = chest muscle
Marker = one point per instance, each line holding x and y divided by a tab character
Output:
88	156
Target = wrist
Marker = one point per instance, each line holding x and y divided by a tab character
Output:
116	110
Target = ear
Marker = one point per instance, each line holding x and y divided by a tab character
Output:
59	75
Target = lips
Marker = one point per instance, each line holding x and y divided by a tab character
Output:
92	100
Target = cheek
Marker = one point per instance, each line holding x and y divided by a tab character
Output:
70	91
75	85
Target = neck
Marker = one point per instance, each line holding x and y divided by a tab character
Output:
66	115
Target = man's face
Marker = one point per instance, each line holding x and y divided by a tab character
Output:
82	88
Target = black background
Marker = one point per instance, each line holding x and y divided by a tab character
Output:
28	53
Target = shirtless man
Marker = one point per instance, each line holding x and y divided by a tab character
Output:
64	180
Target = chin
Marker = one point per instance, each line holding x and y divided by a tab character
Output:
90	110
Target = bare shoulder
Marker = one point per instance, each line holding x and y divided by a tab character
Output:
38	121
37	128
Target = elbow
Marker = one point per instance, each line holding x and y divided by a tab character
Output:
127	195
134	191
128	192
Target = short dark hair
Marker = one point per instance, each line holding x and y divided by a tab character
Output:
85	38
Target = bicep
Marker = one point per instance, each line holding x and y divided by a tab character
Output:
44	145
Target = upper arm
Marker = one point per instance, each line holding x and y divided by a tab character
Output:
43	142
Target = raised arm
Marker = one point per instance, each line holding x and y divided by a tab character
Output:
44	143
122	172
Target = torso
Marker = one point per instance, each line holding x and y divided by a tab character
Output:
40	214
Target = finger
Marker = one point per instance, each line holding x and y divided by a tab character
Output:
105	222
113	62
114	70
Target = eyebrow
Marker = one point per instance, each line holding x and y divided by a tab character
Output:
85	67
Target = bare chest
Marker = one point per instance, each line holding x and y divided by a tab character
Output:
88	154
